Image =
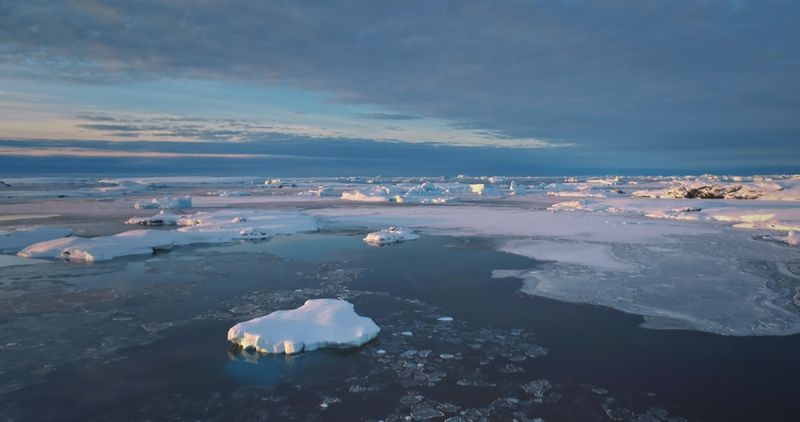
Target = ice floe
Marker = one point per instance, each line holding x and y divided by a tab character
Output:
317	324
15	240
202	227
389	236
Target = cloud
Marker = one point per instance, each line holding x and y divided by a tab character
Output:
388	116
98	153
620	75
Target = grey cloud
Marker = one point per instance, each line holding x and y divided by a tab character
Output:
648	75
388	116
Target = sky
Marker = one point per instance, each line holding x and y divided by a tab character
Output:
413	87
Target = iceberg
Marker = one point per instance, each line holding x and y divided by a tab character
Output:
389	236
317	324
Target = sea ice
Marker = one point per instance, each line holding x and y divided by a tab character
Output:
202	227
390	235
318	323
15	240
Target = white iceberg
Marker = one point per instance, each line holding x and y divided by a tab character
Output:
317	324
15	240
164	204
389	236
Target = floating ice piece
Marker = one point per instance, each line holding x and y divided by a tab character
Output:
14	240
318	323
567	205
202	227
390	235
321	191
445	319
374	194
160	219
133	242
164	203
477	188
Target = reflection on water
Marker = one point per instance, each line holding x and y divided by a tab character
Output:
136	339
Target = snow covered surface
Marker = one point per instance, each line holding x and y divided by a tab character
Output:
317	324
389	236
202	227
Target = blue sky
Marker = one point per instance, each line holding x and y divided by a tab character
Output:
399	88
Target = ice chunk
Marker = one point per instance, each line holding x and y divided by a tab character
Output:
390	235
164	203
14	240
202	227
318	323
365	197
159	219
133	242
321	191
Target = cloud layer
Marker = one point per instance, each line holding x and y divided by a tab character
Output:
654	76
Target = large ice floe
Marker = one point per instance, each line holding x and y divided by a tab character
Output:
319	323
389	236
15	240
202	227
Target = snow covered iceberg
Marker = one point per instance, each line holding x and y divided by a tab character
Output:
318	323
390	235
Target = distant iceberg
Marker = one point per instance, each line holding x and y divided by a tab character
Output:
317	324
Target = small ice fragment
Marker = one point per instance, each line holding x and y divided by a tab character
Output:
390	235
445	319
537	387
407	333
425	412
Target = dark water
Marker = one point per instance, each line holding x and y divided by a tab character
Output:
169	317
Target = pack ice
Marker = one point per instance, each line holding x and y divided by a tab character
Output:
317	324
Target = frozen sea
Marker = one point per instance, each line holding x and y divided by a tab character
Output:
500	310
